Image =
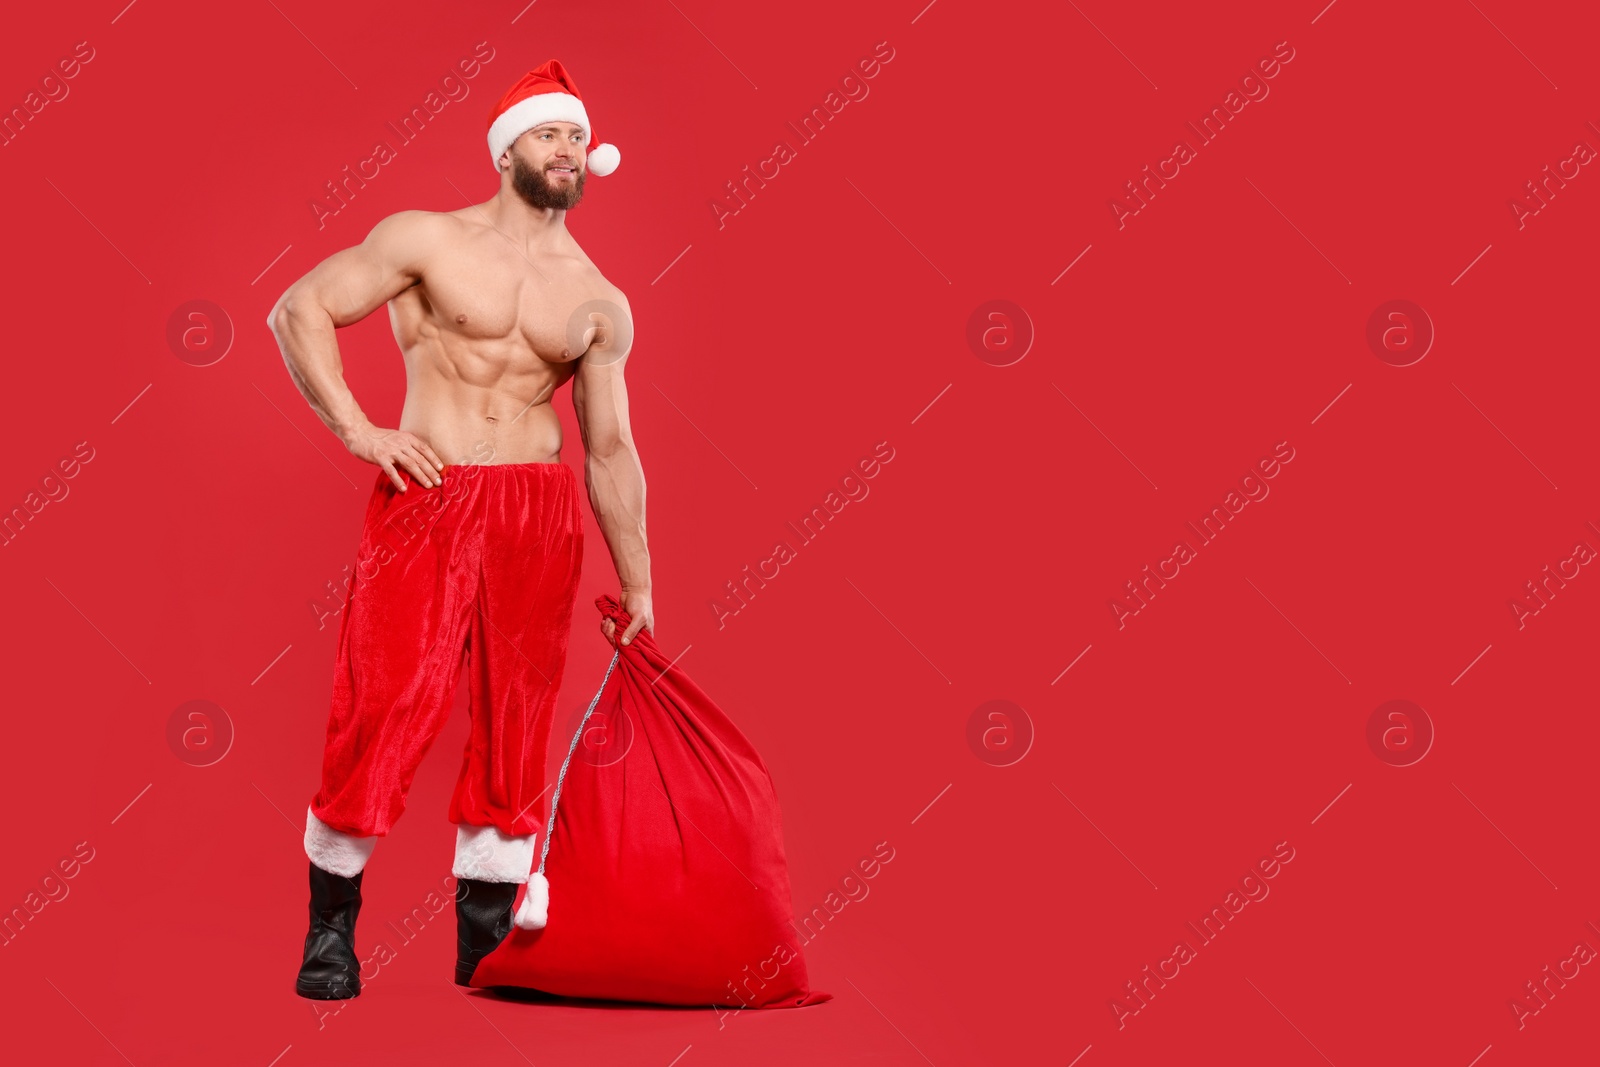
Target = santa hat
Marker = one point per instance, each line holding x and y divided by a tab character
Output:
546	93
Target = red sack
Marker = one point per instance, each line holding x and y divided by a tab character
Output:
664	855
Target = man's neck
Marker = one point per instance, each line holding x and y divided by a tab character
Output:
529	226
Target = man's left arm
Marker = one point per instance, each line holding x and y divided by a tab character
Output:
611	465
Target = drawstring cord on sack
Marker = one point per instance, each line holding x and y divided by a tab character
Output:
550	828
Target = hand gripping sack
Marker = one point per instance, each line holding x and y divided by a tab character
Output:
663	854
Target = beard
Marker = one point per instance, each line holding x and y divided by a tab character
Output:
538	191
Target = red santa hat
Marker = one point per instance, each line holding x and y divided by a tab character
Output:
546	93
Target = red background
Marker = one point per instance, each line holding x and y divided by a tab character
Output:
828	315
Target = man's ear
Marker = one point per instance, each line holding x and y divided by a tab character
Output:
504	162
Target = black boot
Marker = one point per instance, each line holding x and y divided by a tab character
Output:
483	919
330	970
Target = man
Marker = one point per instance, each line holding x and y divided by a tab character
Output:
473	538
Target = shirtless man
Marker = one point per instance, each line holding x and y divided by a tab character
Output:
472	542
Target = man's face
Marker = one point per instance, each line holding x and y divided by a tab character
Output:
547	166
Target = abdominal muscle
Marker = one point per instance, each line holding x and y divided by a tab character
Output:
473	407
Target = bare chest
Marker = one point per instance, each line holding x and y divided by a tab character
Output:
536	304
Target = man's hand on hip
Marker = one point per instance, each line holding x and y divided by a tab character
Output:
391	448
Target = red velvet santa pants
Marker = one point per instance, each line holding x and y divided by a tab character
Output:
483	570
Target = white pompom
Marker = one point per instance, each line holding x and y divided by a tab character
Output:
603	159
535	907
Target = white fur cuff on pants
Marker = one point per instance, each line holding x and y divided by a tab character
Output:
335	851
487	855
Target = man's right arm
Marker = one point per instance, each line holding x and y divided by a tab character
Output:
343	289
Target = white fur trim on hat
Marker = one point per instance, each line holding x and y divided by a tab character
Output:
487	855
535	907
334	850
532	111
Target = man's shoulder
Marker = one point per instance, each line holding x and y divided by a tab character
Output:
614	294
417	223
414	238
592	278
605	290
